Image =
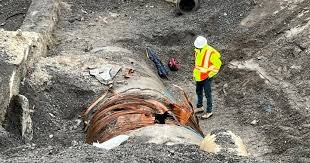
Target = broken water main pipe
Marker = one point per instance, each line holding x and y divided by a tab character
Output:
135	108
143	103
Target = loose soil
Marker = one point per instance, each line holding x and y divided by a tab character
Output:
12	13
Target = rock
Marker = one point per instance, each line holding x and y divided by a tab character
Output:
87	47
114	14
223	141
6	73
225	86
254	122
77	124
27	131
261	57
105	20
14	56
52	115
51	136
18	119
74	143
71	20
85	12
19	33
297	67
296	51
91	24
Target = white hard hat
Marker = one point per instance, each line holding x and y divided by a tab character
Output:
200	42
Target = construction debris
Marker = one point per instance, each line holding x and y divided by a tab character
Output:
134	109
254	122
112	143
106	73
18	118
162	70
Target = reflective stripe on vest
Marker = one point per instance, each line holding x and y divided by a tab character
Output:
203	65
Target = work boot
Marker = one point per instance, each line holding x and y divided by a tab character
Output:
198	110
206	115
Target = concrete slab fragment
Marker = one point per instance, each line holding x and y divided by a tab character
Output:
15	50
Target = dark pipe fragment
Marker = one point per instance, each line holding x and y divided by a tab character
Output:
185	6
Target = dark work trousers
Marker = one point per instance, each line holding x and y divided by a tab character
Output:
205	86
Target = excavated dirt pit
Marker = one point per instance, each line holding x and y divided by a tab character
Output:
240	96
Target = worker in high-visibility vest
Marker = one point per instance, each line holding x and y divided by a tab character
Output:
207	65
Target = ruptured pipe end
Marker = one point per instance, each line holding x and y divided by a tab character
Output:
185	6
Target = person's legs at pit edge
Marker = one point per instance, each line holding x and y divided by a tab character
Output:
208	94
199	93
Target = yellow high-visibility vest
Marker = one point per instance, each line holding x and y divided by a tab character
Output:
207	63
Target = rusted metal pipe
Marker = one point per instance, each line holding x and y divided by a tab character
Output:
141	102
138	110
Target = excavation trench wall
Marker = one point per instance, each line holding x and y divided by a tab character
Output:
59	86
20	49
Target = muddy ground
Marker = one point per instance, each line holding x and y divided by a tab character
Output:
234	27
